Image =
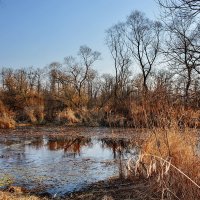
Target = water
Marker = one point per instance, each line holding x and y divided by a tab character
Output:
60	164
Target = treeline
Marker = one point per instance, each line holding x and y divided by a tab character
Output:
165	90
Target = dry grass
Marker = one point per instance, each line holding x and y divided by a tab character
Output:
159	113
6	117
81	116
68	116
18	196
35	114
170	164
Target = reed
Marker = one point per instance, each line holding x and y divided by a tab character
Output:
170	164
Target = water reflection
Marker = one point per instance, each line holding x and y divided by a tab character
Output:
118	146
121	149
37	142
70	145
62	163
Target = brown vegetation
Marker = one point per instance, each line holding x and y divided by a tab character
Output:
6	117
73	93
169	161
18	196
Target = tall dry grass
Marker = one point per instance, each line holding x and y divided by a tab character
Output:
169	163
33	109
154	110
6	117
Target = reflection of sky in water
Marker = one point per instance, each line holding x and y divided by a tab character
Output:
58	165
96	152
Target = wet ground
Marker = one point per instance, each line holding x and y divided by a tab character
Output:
58	161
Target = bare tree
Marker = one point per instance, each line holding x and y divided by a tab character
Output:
54	76
187	7
34	76
183	49
107	88
92	86
143	42
116	43
80	71
39	73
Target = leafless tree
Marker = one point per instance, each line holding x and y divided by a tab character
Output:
80	70
93	87
187	7
183	49
143	42
116	43
107	88
34	76
54	76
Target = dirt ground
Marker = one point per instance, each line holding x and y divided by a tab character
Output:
113	189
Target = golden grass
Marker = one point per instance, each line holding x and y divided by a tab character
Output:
6	117
170	163
10	196
68	115
156	112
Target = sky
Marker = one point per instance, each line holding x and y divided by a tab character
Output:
38	32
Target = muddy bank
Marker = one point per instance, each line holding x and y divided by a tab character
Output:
113	189
136	134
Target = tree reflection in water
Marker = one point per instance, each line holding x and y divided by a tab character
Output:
37	142
62	160
120	148
70	145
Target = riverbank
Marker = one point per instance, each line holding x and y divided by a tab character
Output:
59	160
167	165
102	132
112	189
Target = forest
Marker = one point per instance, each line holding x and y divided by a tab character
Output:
156	79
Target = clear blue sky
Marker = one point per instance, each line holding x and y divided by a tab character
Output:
38	32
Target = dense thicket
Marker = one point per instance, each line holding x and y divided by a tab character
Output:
166	87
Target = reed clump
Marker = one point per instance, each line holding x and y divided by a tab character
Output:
6	117
169	162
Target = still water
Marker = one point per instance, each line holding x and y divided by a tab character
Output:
60	164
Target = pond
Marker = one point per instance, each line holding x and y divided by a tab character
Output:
58	164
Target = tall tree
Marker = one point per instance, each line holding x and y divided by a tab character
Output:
115	40
183	49
143	42
80	70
